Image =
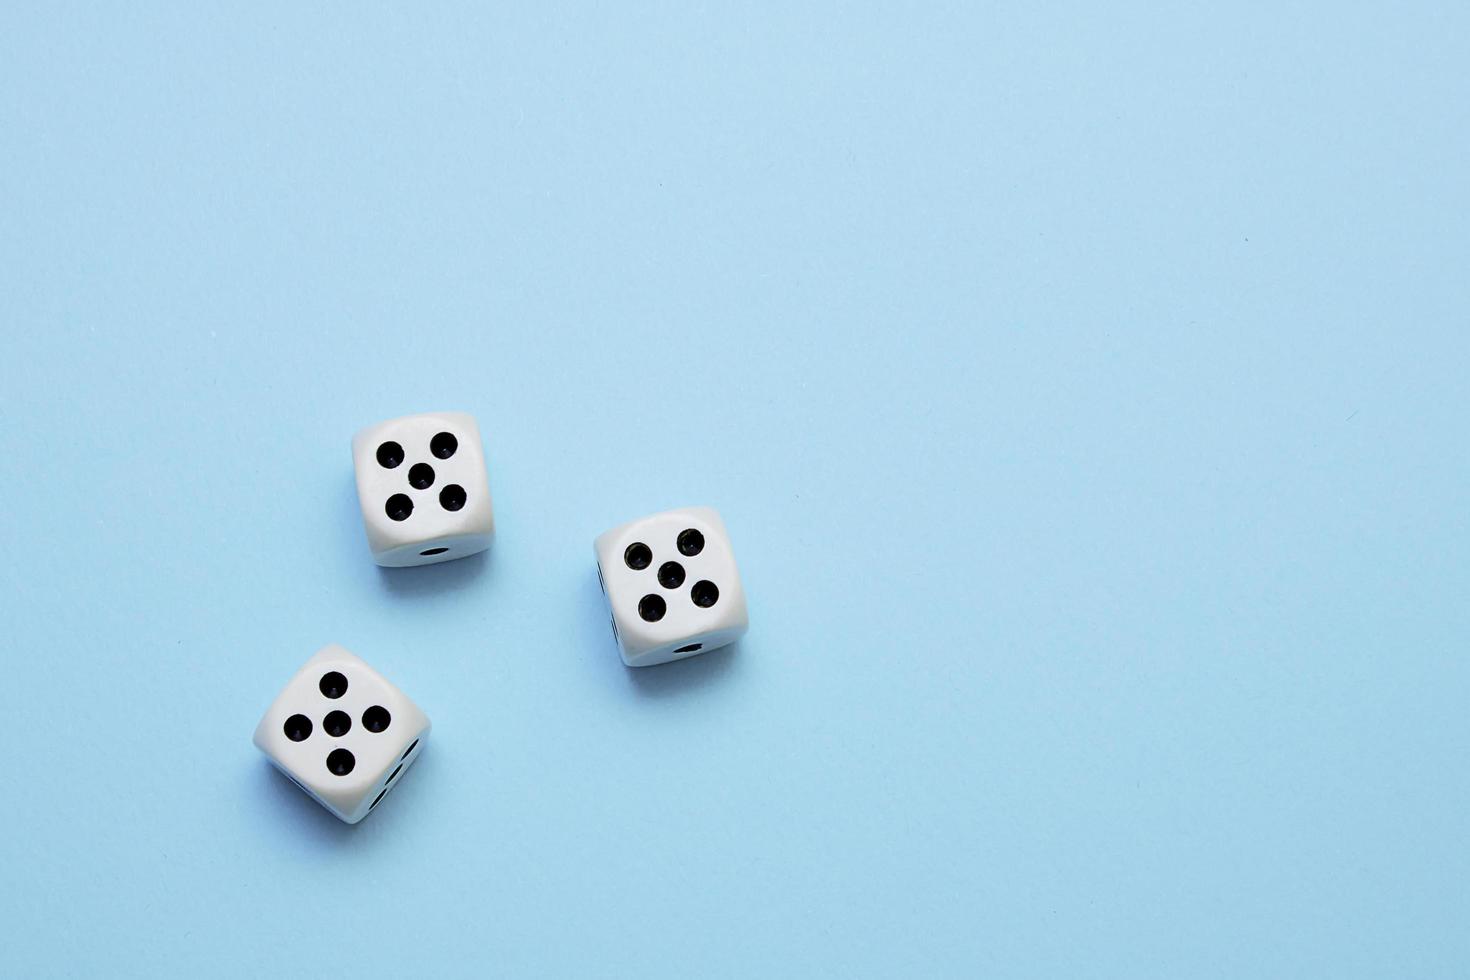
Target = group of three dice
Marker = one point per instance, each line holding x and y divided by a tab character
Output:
344	733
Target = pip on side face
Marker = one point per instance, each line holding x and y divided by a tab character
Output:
672	586
423	488
342	733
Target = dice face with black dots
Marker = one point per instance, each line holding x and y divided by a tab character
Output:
671	585
342	733
423	488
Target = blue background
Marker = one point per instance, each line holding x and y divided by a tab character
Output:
1085	391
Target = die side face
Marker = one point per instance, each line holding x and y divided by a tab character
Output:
423	488
672	586
342	732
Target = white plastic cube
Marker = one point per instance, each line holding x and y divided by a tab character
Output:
671	585
342	733
423	488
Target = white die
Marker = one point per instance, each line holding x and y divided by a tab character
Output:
672	586
342	732
423	489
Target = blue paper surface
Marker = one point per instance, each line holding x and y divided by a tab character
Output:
1084	389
